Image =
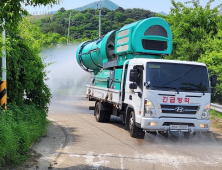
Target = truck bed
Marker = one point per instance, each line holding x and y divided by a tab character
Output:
104	94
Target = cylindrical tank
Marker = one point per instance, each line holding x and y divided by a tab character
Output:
90	54
147	38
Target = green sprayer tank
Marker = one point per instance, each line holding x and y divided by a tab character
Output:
147	38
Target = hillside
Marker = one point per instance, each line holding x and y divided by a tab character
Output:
104	4
38	17
84	24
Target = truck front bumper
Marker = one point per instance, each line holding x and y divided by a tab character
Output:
163	124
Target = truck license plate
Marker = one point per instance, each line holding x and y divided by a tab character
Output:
178	127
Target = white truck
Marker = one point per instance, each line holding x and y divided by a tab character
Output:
157	95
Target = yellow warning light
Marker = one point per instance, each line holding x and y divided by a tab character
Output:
204	125
152	123
148	103
208	106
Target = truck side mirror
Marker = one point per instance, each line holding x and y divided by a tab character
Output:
213	80
133	75
132	86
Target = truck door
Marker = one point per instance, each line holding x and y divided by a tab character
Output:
139	91
134	96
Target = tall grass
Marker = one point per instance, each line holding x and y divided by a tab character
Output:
20	126
216	113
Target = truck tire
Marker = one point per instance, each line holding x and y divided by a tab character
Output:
135	131
126	122
98	114
107	117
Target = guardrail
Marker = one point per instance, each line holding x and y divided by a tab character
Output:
216	107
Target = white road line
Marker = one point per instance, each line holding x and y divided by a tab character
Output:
121	161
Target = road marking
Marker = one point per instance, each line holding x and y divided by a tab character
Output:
89	159
175	161
73	155
121	161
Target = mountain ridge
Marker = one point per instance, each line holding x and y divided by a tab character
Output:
162	13
94	5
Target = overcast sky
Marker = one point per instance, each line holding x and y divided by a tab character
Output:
152	5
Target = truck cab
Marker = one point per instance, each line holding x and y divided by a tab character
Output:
168	95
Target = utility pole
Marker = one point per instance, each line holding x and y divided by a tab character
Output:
100	16
68	29
100	19
3	87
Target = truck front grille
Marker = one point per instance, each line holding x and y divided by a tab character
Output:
178	109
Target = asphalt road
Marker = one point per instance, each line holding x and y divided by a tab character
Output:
92	145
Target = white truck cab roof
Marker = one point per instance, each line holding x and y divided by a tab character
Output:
144	61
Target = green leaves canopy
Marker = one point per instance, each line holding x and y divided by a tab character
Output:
197	36
191	27
28	95
25	69
213	59
12	10
84	24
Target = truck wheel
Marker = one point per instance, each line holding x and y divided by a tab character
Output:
98	114
107	117
135	131
126	122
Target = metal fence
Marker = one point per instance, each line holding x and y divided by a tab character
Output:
216	107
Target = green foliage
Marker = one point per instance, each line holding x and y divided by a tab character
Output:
62	40
216	113
53	27
84	24
28	95
19	128
213	59
25	70
197	35
62	9
12	10
120	17
130	20
191	27
79	17
212	117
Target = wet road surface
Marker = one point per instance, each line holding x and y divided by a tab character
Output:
93	145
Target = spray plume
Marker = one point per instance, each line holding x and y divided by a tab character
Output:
65	77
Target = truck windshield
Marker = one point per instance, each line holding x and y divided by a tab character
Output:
177	77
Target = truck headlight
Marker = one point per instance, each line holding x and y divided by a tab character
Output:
149	109
205	114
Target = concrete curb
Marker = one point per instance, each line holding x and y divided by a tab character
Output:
49	147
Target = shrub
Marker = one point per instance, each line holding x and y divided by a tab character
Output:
20	126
